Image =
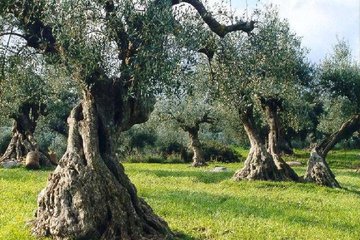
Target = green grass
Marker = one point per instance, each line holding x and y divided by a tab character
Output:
199	204
18	192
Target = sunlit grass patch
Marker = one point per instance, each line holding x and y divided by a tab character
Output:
200	204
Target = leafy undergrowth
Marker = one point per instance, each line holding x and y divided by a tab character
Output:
199	204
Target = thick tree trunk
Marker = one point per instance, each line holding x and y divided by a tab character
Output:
198	157
23	141
259	164
273	142
318	170
20	144
89	196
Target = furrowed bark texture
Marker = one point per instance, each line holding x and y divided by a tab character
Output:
272	118
318	170
259	164
89	196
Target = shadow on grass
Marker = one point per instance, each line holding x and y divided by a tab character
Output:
352	190
183	236
200	176
224	206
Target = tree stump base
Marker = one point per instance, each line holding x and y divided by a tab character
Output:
319	172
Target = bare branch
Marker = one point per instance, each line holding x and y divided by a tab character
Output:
220	29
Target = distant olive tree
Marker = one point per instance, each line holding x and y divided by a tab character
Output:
23	98
340	83
190	107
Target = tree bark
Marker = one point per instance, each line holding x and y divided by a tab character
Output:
318	170
259	164
271	111
198	157
89	196
23	141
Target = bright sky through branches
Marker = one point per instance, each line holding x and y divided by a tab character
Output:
319	22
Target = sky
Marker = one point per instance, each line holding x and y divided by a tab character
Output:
319	22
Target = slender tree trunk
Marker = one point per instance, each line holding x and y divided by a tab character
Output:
198	157
89	196
318	170
259	164
273	142
23	141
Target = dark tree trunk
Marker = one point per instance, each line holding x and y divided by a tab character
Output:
318	170
272	118
198	157
89	196
23	141
284	144
259	164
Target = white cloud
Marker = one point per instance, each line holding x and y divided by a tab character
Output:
319	22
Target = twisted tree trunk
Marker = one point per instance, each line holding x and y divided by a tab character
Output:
272	118
259	164
193	128
23	141
318	170
89	196
198	157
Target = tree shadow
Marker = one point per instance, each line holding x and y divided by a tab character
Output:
347	189
207	204
182	236
200	176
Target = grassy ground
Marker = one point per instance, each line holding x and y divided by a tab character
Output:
199	204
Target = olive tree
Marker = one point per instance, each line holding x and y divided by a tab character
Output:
191	106
339	77
118	53
261	73
23	99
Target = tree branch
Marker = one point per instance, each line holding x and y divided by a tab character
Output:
346	130
220	29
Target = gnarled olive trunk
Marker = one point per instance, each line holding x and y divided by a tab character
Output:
89	196
318	170
20	144
198	157
23	141
259	164
272	119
